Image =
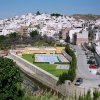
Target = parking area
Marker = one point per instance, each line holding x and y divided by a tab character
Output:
89	80
91	61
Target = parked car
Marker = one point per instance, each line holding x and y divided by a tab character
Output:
87	57
79	81
98	85
93	66
92	57
91	62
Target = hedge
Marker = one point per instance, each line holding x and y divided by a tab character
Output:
61	63
41	62
72	71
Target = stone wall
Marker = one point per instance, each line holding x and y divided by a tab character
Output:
68	57
39	74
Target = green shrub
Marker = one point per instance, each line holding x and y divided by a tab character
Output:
10	80
72	71
41	62
61	63
62	78
96	95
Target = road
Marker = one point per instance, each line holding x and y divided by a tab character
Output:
89	80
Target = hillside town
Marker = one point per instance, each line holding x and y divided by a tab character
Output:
49	49
62	28
59	51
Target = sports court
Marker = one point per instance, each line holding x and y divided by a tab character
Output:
51	58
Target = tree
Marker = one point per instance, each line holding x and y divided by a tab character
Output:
37	13
73	65
2	38
62	78
2	44
13	35
34	33
14	39
56	15
10	80
71	74
67	39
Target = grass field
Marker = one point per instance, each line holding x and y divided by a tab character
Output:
28	57
51	68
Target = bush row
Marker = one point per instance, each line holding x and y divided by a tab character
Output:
72	71
41	62
61	63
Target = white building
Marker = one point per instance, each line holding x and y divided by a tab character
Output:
82	37
72	32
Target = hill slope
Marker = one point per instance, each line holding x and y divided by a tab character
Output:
86	16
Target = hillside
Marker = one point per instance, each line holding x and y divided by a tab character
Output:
86	17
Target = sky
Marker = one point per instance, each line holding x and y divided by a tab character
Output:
11	8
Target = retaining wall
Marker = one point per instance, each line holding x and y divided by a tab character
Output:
39	74
68	57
